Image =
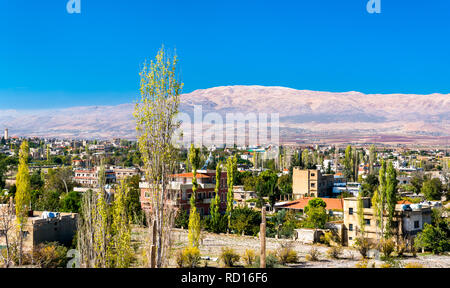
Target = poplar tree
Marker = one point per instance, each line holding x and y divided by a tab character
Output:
121	251
372	157
231	164
215	202
391	196
348	171
156	123
23	194
379	199
360	213
194	228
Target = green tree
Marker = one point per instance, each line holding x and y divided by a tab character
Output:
432	189
231	164
215	202
432	238
391	197
156	123
285	185
23	194
316	214
348	168
194	216
121	252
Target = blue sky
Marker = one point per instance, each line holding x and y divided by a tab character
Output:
49	58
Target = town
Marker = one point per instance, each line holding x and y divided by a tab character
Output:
322	205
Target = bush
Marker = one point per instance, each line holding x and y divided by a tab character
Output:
286	255
335	252
229	257
313	254
401	248
190	257
271	261
364	263
14	255
179	258
330	238
249	257
387	246
50	255
413	265
363	245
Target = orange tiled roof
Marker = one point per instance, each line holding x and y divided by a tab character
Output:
404	202
332	203
189	175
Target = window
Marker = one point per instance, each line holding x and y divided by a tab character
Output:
367	221
350	211
350	227
416	224
313	174
313	185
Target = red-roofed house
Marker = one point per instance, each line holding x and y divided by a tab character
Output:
333	204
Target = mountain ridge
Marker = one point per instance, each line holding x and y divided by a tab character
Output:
299	111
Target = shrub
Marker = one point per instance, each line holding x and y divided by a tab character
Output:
413	265
313	254
401	248
387	246
330	238
179	259
335	252
363	246
50	255
364	263
385	265
271	261
249	257
191	257
229	257
286	255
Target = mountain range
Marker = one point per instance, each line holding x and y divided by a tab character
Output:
302	114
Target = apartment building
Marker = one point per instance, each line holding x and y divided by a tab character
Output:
90	177
311	183
180	191
408	220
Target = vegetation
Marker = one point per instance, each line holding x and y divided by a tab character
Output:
229	257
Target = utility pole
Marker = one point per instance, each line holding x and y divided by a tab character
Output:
262	236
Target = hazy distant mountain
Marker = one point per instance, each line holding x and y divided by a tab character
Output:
301	112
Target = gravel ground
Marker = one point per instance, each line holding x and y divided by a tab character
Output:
212	243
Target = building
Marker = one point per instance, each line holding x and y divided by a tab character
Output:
408	220
311	183
6	135
42	227
242	197
334	205
90	177
180	191
122	173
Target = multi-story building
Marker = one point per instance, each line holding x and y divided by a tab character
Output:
123	172
408	220
180	191
90	177
6	136
311	183
241	197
